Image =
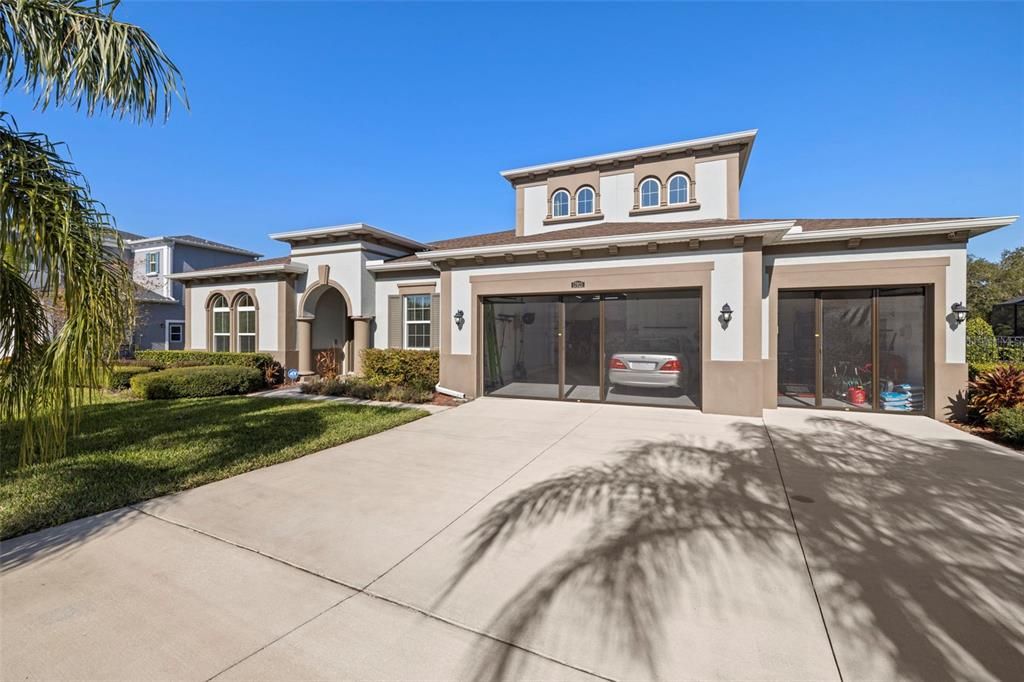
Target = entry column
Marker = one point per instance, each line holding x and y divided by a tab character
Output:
361	341
305	343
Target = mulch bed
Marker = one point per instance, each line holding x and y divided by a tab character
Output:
985	432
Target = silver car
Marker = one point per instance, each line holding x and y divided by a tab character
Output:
645	370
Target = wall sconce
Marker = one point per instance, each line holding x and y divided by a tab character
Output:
959	312
726	314
460	319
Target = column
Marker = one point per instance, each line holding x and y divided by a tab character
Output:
361	339
305	343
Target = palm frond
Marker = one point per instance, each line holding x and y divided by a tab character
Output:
74	52
65	291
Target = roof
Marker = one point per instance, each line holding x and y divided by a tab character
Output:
350	230
1012	301
144	295
192	240
264	266
745	137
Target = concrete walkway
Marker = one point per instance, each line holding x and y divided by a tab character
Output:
539	540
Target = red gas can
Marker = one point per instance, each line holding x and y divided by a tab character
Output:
856	395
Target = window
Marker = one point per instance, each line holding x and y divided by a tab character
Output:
650	193
679	189
584	201
153	263
245	311
560	204
221	324
174	332
417	321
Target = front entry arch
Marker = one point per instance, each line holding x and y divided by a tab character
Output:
326	325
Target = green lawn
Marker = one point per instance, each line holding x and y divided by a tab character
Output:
129	450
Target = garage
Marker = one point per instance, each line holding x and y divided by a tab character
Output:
629	347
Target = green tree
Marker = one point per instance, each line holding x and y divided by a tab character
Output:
65	291
990	283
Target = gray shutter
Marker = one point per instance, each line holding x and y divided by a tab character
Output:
395	322
435	322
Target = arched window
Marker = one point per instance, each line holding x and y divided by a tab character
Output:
650	193
679	189
560	204
221	315
245	312
584	201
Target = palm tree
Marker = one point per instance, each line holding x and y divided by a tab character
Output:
59	248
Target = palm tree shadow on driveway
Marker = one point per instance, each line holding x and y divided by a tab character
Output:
916	545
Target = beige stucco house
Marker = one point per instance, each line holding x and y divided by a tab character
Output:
629	277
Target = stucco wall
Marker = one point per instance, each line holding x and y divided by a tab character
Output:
390	287
265	293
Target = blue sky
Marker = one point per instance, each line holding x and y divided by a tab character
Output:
402	115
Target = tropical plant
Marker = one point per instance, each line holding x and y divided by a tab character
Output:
999	388
65	292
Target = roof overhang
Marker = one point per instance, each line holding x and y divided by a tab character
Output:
351	231
384	266
220	273
954	228
771	232
745	138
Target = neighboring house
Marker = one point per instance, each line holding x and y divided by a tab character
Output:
160	310
1008	317
629	277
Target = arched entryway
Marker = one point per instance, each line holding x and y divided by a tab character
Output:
326	325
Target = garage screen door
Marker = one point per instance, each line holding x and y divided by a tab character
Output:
621	347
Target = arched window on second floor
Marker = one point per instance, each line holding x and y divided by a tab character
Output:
245	313
584	201
221	322
560	204
650	193
679	189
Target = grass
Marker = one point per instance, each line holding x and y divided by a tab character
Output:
127	451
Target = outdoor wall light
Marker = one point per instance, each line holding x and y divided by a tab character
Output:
460	319
959	311
726	314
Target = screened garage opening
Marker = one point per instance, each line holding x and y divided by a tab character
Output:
620	347
831	341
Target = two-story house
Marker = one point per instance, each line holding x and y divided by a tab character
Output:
159	301
628	277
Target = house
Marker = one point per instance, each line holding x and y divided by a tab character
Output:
629	277
159	300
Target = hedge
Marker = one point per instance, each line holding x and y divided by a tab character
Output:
197	382
361	389
976	368
173	358
121	376
414	369
1008	423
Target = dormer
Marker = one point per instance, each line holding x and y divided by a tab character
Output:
689	180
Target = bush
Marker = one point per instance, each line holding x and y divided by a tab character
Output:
981	341
976	368
205	358
197	382
395	367
361	389
996	389
1008	423
121	376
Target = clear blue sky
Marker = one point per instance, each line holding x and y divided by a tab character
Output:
402	115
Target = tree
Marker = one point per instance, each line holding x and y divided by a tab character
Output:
990	283
58	244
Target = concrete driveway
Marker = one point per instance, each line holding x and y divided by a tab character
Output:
541	540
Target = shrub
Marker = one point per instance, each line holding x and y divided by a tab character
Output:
361	389
121	376
976	368
998	388
981	341
1008	423
395	367
327	364
197	382
205	358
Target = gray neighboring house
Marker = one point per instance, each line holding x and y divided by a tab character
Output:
160	311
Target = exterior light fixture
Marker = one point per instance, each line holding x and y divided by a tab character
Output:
460	319
726	314
959	311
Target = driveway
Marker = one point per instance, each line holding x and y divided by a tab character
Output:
554	541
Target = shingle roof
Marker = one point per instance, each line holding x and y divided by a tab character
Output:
196	241
144	295
249	264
